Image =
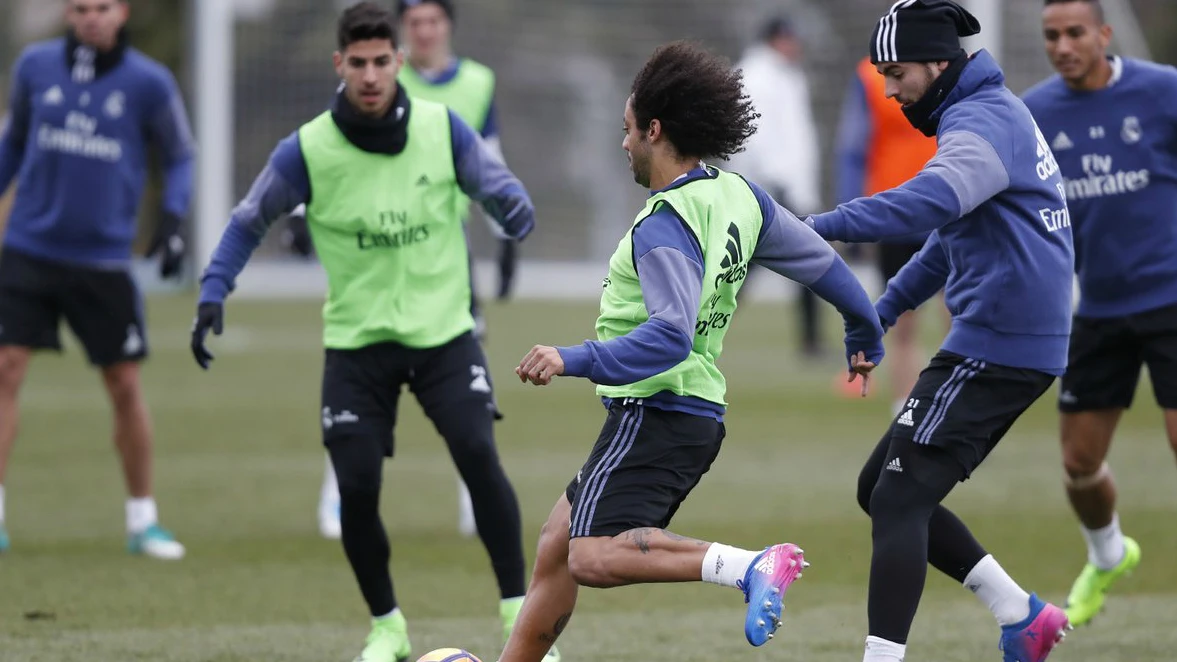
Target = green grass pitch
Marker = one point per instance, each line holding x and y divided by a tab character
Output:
239	464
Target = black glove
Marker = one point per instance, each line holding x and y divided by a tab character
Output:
297	237
168	242
208	316
508	260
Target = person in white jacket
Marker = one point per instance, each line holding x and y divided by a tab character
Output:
782	156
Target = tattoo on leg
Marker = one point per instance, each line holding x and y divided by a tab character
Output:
640	538
675	536
557	629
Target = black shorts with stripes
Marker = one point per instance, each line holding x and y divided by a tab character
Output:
646	461
966	406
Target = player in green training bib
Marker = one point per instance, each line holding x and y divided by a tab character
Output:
666	305
432	71
380	175
467	87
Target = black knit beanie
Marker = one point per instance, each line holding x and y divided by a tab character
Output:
921	31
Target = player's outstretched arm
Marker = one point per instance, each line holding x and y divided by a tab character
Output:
793	250
15	131
965	172
282	185
921	278
670	270
484	177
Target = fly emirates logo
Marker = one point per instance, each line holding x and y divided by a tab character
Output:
79	137
1060	217
1101	178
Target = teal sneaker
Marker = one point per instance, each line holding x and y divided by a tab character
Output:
388	641
509	611
5	543
156	542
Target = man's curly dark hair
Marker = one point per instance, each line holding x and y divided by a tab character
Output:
697	97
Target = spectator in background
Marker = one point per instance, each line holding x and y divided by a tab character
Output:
877	150
782	156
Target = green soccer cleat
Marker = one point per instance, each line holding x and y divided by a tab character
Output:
1090	589
5	543
509	611
388	641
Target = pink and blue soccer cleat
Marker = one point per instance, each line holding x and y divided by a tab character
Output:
1034	638
764	585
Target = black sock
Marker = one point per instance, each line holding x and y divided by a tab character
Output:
903	505
496	509
952	549
359	463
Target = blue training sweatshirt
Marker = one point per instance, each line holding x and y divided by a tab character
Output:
79	151
1117	150
1002	244
669	263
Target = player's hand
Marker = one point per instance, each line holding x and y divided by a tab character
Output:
540	365
297	236
860	366
208	316
508	261
169	244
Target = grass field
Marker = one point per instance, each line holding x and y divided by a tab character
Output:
239	464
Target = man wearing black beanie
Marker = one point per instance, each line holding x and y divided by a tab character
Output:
1001	248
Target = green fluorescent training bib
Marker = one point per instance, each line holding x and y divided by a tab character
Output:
388	234
469	94
725	218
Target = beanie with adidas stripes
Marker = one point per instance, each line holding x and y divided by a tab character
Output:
921	31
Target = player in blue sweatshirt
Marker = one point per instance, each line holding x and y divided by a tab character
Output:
84	109
1001	249
1111	123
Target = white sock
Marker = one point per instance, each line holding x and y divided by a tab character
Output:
1	503
1105	547
993	586
725	565
881	650
329	495
141	513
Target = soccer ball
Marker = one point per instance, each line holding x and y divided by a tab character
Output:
448	655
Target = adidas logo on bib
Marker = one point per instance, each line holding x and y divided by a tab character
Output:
894	465
906	418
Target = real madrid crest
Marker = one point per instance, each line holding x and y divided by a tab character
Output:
1131	131
115	104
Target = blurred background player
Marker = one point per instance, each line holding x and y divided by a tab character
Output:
878	149
380	175
783	155
1110	124
665	310
85	108
1001	249
467	87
